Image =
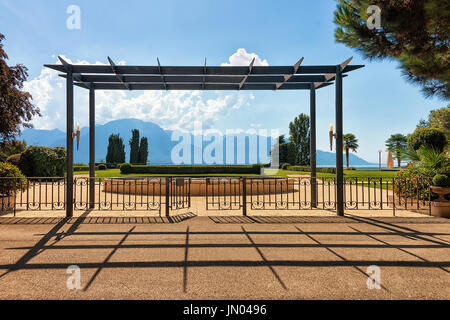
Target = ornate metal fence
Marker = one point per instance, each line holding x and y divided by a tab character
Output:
218	193
229	193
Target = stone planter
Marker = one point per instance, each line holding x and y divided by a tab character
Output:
440	207
7	202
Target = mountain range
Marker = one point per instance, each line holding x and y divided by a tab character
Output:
161	144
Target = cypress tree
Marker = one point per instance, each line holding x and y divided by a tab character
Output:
116	149
143	151
134	146
300	135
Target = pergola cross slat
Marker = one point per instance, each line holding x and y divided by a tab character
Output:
120	77
210	70
205	78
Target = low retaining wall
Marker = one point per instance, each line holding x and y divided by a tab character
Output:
435	208
198	186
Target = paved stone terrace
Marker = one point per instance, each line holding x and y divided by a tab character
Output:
225	257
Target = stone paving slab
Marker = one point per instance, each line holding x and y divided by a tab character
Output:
200	259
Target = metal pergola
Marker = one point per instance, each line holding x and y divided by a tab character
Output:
123	77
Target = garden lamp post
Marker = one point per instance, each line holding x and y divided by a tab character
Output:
332	135
379	159
77	134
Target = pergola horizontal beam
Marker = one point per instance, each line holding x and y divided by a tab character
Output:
201	86
200	79
191	70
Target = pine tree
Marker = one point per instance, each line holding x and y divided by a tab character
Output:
134	146
143	151
413	32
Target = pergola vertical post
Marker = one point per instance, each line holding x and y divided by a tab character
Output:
91	146
339	150
312	145
69	141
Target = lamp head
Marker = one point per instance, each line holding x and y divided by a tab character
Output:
77	134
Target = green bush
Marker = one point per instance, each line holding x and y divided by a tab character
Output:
445	170
3	156
80	168
257	167
441	180
14	159
43	162
125	168
102	166
11	179
128	168
351	168
308	169
327	170
413	182
427	137
285	166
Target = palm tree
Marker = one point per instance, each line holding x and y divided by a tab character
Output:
396	144
432	158
349	143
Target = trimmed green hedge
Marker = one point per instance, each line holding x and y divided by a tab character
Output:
128	168
84	168
308	169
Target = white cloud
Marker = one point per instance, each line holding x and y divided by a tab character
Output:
242	58
176	110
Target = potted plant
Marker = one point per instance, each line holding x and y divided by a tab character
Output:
11	181
441	187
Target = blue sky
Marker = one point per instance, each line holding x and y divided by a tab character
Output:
377	100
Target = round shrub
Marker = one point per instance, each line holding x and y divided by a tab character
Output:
427	137
43	162
14	159
102	166
11	179
441	180
285	166
125	168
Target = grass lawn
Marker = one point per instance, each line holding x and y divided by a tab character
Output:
362	175
110	173
347	173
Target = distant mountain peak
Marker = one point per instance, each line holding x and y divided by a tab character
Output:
160	144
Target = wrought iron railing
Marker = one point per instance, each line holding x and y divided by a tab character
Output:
218	193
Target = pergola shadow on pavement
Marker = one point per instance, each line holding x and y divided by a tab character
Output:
256	250
120	77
